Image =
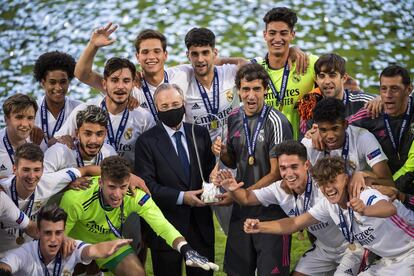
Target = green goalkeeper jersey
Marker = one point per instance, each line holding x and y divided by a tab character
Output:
297	87
87	221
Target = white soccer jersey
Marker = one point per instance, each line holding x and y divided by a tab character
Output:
364	149
139	120
51	120
194	104
26	260
326	231
6	165
59	157
387	237
10	214
49	185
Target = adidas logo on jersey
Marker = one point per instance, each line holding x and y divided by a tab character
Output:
3	168
144	105
291	212
349	271
196	106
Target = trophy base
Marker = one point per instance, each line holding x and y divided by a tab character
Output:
209	193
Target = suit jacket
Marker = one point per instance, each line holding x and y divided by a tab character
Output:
157	162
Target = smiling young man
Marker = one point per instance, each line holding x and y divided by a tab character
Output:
98	214
19	113
253	132
54	71
44	256
328	253
286	86
124	126
350	142
368	220
394	128
30	189
90	148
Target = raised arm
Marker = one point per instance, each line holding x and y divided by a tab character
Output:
83	70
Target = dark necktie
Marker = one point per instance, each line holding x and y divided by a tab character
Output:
182	155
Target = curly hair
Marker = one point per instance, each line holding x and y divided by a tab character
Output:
328	168
329	110
51	61
115	168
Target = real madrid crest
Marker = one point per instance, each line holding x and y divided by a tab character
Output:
66	273
295	77
128	133
229	95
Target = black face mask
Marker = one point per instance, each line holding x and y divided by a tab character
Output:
172	117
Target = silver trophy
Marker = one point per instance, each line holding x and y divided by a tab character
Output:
209	189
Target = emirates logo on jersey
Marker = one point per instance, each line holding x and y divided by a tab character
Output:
128	134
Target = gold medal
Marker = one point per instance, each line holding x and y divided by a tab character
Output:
352	246
20	240
251	160
214	124
301	236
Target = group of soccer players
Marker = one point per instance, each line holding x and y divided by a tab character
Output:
290	147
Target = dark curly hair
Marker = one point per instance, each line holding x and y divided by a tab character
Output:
281	14
51	61
329	110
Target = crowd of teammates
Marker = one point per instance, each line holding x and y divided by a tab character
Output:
290	143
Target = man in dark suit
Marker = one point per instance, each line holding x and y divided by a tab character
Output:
166	159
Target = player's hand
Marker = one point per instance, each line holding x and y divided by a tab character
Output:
68	246
226	180
66	140
36	135
80	183
224	200
100	37
317	141
374	107
137	182
106	249
191	198
132	103
357	205
356	184
301	59
251	226
217	146
389	191
194	259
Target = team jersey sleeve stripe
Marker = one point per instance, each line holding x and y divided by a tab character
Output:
400	223
277	125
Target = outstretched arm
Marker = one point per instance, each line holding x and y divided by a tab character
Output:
83	70
102	249
281	226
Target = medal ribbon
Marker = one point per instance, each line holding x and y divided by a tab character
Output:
8	146
308	192
251	144
211	109
348	233
345	151
404	124
345	100
278	94
115	140
15	199
115	231
79	159
45	125
58	262
149	98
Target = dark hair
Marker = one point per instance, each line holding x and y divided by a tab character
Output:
51	213
291	147
150	34
92	114
115	168
395	70
330	63
329	110
4	272
251	72
28	151
282	14
200	37
114	64
327	169
54	61
18	103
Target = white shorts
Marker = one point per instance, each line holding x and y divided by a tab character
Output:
322	261
401	265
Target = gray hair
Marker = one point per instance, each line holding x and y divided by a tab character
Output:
166	86
92	114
